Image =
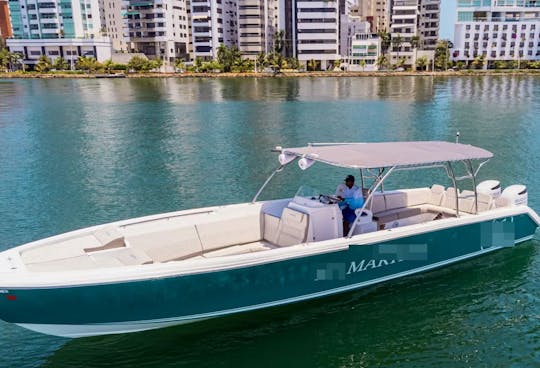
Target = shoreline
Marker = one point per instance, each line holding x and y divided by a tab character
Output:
528	72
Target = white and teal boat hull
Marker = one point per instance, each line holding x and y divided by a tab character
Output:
146	297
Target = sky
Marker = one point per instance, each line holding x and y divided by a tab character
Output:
448	17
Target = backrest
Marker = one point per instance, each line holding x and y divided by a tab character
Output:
466	201
450	198
437	196
395	199
485	202
230	229
502	202
378	204
292	228
417	196
167	244
271	227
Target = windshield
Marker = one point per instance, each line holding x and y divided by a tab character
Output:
308	192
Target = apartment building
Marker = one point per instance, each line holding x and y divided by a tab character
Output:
498	30
413	21
158	28
46	19
317	32
376	12
213	22
5	24
257	25
112	24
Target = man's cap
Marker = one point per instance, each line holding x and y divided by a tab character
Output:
349	178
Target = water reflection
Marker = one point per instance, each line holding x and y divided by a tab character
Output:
81	152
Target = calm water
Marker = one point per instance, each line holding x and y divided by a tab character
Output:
74	153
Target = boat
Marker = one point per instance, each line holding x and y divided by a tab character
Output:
191	265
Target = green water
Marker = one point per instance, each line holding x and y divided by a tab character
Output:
74	153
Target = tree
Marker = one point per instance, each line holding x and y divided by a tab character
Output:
139	64
261	60
108	65
311	65
4	59
293	63
278	41
385	41
382	62
156	64
415	43
478	62
180	65
198	63
227	56
44	64
442	54
397	42
422	62
363	64
60	64
88	64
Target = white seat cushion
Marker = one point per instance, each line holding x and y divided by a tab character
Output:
63	249
437	195
167	245
292	227
271	227
126	256
239	249
230	230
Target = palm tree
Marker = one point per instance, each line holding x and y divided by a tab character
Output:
180	65
60	64
312	65
422	62
381	61
108	65
397	42
4	59
415	43
44	64
89	64
385	41
278	41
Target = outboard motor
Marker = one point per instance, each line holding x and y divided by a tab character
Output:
516	195
490	187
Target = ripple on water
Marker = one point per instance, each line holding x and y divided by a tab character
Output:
76	153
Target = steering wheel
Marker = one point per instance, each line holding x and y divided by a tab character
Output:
328	199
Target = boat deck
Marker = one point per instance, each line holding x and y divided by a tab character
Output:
233	230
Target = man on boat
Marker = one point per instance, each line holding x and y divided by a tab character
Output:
351	197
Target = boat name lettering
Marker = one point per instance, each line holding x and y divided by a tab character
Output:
364	264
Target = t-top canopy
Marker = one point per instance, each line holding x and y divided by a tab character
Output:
387	154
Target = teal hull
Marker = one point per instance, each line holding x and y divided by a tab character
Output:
204	295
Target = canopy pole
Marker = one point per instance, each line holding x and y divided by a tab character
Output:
362	179
453	177
266	182
473	178
369	199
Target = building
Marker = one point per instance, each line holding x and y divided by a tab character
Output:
213	22
68	48
46	19
350	26
5	23
112	24
506	30
257	26
376	12
158	28
416	24
316	36
364	51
